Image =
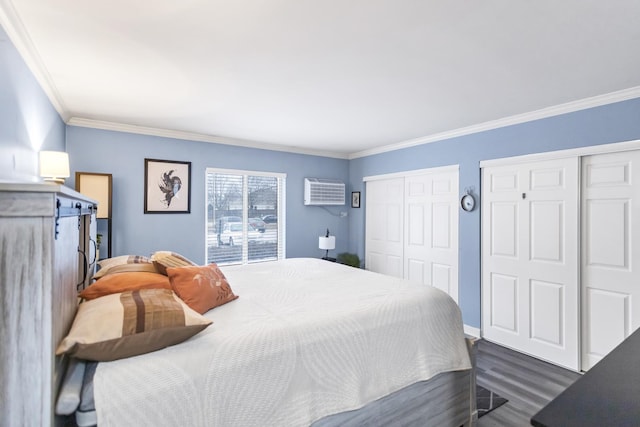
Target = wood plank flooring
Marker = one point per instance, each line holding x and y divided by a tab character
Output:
528	383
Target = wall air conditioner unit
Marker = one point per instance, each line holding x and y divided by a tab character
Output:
319	192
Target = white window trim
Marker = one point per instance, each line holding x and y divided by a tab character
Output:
282	203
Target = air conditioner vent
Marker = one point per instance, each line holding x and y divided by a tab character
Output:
318	191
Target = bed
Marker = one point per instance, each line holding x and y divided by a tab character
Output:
308	342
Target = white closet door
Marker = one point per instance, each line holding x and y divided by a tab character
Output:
384	226
431	230
530	258
610	252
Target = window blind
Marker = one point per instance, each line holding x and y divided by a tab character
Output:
245	216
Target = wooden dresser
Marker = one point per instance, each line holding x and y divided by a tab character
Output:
47	250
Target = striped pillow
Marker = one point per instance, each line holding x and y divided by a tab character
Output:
124	263
166	259
130	323
123	259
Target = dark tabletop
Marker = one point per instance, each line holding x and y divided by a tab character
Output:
607	395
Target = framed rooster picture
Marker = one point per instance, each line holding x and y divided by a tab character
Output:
167	186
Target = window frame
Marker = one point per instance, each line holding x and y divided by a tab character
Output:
281	252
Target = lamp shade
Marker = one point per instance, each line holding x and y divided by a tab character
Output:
327	243
54	166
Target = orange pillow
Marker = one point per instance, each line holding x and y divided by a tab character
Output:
122	282
201	287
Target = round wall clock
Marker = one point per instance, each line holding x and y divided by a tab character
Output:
468	202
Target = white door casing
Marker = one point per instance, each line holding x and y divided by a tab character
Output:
610	252
530	292
431	230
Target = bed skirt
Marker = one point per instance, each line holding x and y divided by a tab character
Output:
444	400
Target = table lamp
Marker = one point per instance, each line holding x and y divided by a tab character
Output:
327	243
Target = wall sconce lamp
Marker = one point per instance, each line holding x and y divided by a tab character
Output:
54	166
327	243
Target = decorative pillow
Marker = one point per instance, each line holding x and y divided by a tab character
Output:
109	264
121	282
123	259
165	259
201	287
130	323
126	268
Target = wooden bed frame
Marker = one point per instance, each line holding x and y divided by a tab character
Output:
45	230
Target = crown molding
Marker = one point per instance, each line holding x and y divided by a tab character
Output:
556	110
192	136
16	32
13	26
18	35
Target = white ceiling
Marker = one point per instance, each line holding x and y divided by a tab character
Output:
343	77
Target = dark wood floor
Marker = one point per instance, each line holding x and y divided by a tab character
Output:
528	383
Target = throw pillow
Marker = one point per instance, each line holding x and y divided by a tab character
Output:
135	263
130	323
201	287
121	282
165	259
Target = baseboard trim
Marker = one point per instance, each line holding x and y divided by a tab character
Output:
472	331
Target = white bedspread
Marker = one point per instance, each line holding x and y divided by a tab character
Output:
307	338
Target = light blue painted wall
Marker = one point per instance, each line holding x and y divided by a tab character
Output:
602	125
28	121
122	154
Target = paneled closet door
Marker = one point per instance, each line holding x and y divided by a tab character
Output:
530	258
610	252
431	230
384	226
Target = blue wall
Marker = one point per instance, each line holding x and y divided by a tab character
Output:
28	121
607	124
122	154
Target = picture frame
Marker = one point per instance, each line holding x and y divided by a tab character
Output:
99	186
355	199
167	186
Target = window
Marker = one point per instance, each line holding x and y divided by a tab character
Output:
245	216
